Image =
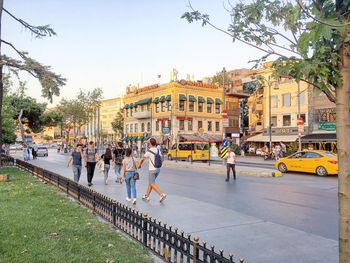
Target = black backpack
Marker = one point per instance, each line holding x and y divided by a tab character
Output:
157	159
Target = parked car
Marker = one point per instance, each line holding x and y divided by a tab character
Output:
42	151
321	163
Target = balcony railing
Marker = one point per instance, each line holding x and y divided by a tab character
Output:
142	115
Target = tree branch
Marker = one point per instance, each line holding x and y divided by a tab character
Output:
38	31
20	53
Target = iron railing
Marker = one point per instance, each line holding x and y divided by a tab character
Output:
163	240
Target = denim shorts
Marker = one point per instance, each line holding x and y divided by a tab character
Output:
152	175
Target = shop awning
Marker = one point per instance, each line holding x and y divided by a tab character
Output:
201	99
144	101
274	138
168	98
126	106
210	101
218	101
156	100
205	138
131	105
182	97
319	137
162	99
192	98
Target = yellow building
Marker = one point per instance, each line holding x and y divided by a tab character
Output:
281	96
179	110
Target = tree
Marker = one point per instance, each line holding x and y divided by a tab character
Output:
50	81
309	41
118	124
77	112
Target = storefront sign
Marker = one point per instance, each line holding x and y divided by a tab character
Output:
327	126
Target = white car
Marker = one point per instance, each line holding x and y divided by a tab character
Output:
42	151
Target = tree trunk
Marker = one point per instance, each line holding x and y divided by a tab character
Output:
21	126
1	82
343	135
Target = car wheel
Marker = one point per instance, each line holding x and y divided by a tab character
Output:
282	168
321	171
189	158
170	158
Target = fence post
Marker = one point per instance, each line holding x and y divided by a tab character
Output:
195	249
94	201
78	192
114	212
144	229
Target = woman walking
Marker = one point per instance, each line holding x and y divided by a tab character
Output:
128	170
107	159
91	157
76	157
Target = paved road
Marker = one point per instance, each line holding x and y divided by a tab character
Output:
288	219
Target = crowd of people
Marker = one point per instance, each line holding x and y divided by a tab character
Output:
124	161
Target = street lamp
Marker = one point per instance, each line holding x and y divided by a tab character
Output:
223	99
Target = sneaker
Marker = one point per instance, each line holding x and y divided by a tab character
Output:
128	199
162	197
89	184
145	197
134	201
227	180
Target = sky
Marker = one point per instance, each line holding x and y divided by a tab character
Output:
110	44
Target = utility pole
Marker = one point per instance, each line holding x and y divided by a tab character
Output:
223	99
299	131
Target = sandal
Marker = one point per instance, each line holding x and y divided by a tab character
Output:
162	197
145	197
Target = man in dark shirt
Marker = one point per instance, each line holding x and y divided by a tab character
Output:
118	156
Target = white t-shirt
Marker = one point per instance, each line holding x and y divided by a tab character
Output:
231	158
151	158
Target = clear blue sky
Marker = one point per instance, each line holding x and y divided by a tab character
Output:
113	43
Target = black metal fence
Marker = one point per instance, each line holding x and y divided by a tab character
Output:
165	241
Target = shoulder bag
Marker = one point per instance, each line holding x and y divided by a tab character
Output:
136	174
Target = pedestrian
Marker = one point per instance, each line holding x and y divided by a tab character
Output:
76	157
129	167
25	152
90	157
35	151
107	159
230	164
118	156
155	162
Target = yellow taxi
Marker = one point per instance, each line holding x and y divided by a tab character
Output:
190	151
319	162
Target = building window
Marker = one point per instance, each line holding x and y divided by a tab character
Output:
127	112
136	127
191	106
209	107
274	121
142	127
181	125
302	98
200	125
131	128
190	125
217	126
157	125
209	125
286	120
286	100
169	124
181	105
274	101
157	107
217	108
143	107
303	116
200	106
148	126
131	112
163	106
233	122
169	105
127	128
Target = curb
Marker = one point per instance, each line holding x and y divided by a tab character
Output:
212	169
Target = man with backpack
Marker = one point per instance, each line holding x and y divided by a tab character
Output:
118	156
90	157
155	162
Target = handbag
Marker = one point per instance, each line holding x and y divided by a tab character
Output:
136	175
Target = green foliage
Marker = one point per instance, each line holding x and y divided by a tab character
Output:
39	224
118	123
8	123
305	38
51	118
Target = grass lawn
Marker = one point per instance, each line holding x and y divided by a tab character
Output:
39	224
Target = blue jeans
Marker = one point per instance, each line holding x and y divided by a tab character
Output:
130	184
117	169
76	172
106	170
